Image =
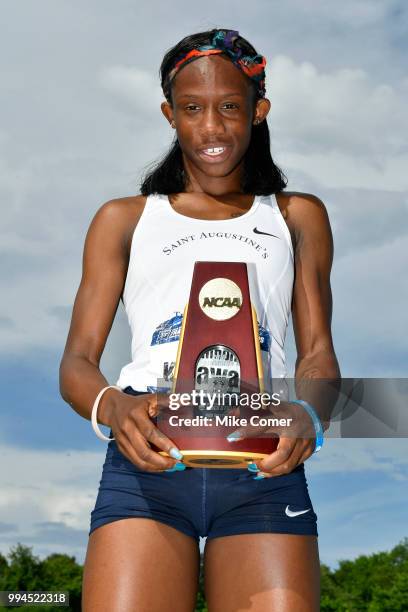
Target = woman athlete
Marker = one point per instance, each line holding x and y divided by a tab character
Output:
217	195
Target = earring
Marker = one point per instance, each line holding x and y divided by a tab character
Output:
173	125
256	121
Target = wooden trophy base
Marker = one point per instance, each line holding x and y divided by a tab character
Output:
218	459
217	452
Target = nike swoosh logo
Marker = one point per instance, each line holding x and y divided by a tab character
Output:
294	513
257	231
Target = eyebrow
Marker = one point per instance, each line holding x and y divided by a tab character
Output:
224	95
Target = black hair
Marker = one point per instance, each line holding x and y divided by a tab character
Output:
261	176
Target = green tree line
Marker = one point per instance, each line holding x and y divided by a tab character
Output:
369	583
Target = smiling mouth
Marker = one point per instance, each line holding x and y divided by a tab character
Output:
214	153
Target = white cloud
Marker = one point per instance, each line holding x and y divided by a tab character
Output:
345	455
59	482
341	127
371	289
353	13
48	492
139	87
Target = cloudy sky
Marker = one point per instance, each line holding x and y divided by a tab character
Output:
81	120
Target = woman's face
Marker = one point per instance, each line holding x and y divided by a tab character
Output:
213	106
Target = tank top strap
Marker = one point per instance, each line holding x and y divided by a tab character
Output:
154	209
154	202
270	203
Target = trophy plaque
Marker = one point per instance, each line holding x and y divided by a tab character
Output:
218	355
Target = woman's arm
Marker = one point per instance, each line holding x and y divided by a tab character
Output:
105	263
311	314
312	305
312	298
104	268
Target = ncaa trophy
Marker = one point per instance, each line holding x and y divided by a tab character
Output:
218	353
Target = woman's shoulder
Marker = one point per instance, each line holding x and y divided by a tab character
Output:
295	203
123	214
301	209
122	206
303	213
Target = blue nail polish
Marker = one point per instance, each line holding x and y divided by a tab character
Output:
175	453
252	467
235	435
177	467
258	477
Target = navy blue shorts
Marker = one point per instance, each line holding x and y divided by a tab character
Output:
203	502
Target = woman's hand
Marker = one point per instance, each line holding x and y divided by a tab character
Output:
296	441
129	417
289	454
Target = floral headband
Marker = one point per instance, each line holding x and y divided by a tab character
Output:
224	41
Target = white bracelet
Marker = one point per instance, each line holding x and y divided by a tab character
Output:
94	422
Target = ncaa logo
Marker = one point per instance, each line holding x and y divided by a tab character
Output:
220	298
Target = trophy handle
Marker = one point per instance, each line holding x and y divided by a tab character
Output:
176	367
257	350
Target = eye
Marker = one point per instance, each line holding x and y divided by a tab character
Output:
193	106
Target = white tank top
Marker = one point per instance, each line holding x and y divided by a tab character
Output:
165	245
